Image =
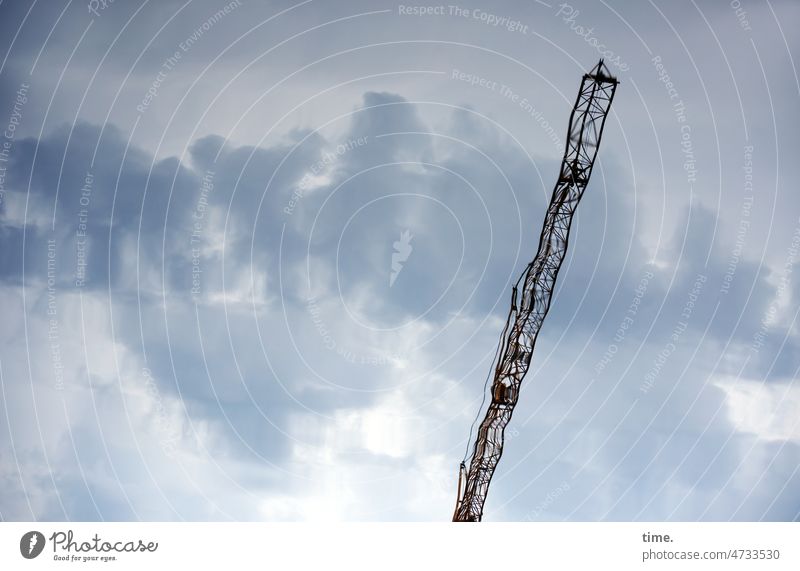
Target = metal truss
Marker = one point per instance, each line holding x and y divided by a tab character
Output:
586	124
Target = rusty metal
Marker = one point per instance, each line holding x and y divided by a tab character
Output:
536	284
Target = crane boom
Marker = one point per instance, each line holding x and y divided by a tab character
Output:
538	280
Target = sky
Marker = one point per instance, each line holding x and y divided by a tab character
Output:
257	256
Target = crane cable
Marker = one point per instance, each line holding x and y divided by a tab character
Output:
492	369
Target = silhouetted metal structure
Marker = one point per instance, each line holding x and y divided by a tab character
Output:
524	321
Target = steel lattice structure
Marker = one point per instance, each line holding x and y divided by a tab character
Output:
586	124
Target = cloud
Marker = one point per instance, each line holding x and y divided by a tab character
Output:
240	343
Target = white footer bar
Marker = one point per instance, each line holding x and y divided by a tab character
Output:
550	546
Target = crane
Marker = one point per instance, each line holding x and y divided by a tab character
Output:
537	281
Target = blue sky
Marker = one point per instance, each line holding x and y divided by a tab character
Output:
257	256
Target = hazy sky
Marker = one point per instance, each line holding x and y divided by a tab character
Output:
256	258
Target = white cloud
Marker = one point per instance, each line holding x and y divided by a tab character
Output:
770	410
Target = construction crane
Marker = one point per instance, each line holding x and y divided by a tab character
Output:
524	321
